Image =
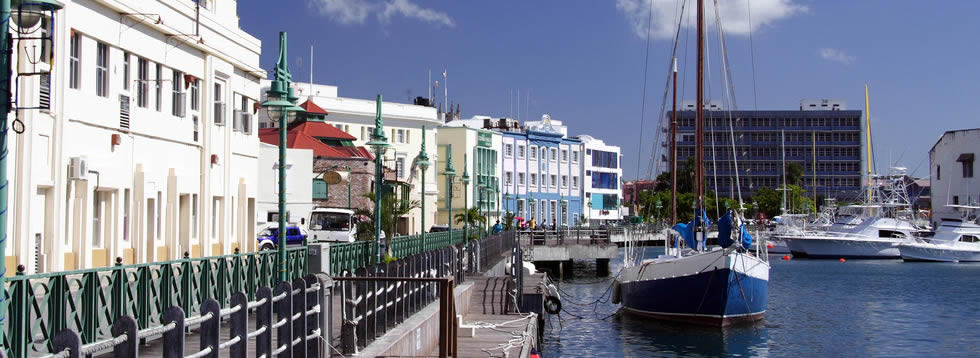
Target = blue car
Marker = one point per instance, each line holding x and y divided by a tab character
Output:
269	237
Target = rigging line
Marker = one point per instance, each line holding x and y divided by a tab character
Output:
755	94
730	97
710	120
663	102
643	100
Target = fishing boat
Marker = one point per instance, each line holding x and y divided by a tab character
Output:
955	240
691	282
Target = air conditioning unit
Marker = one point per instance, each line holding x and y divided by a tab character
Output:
77	168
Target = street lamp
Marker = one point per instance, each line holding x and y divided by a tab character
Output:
380	144
450	174
423	162
281	108
466	198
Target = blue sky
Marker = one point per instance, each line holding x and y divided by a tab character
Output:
582	61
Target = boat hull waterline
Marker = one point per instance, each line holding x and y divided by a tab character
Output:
837	248
712	288
938	253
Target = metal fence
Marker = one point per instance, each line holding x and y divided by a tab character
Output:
90	301
355	255
583	235
299	328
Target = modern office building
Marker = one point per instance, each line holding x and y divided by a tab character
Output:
822	136
603	176
952	172
137	138
542	173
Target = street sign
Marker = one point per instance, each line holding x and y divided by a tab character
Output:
333	177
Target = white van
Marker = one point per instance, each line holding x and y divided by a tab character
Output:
332	225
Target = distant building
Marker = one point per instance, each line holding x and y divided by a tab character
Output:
477	151
299	176
632	190
603	175
952	165
826	126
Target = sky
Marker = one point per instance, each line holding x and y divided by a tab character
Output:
582	61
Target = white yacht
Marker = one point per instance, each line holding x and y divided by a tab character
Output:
956	240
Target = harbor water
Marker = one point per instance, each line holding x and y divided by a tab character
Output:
816	308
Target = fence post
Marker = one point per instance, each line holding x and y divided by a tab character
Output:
57	319
118	294
323	320
348	325
186	278
125	325
173	340
18	308
165	289
239	325
211	329
285	312
300	306
144	280
263	318
90	303
67	339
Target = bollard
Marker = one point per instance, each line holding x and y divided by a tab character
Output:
263	318
211	329
130	348
68	339
173	340
239	325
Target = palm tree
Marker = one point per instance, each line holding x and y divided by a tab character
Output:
391	210
471	216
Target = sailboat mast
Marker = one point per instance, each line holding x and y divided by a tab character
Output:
867	132
785	188
699	115
673	153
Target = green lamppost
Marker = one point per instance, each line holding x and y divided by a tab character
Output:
466	200
450	179
280	105
659	206
423	162
380	144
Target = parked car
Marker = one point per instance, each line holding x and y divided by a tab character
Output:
333	225
269	236
439	228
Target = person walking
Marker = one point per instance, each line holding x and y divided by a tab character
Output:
497	228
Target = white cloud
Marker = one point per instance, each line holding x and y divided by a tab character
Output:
408	9
734	15
836	56
356	11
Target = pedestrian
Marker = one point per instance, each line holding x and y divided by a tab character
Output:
497	228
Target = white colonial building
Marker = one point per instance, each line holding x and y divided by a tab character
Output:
403	126
952	165
603	174
139	142
299	191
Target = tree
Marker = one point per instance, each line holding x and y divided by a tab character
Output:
392	209
794	173
471	216
508	221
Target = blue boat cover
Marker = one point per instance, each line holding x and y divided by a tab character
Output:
687	230
725	238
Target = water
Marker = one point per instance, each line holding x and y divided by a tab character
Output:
816	308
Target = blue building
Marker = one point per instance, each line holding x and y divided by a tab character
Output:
542	173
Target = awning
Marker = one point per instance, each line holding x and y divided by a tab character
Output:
965	157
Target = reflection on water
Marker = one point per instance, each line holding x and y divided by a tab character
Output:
816	308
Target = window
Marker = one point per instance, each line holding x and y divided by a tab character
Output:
520	207
544	154
363	133
219	104
939	172
564	155
194	216
575	182
125	71
178	94
966	159
508	150
97	220
244	117
574	156
554	181
534	180
534	152
520	179
564	181
400	136
520	151
605	159
400	167
320	189
74	58
554	154
969	238
508	178
196	94
142	81
159	87
102	70
605	181
126	219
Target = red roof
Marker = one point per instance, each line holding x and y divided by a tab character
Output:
311	107
304	135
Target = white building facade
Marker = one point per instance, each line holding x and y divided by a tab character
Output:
140	144
299	191
603	175
403	126
952	172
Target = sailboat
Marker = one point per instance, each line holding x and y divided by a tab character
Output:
696	284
